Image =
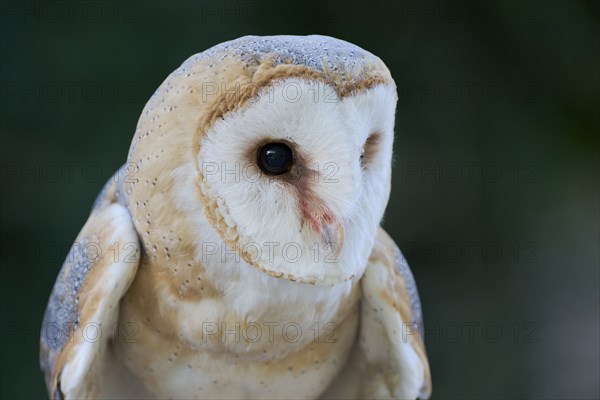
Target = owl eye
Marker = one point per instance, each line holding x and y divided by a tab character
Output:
369	149
275	158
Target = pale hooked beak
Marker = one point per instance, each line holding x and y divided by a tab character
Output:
333	236
330	228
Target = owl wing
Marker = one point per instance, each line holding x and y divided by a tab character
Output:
391	333
83	308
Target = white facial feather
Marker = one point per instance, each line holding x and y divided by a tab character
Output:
329	133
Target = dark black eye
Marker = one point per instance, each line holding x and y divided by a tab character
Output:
275	158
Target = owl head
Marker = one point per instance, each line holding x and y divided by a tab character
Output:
278	148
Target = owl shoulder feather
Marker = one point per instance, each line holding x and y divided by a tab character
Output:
84	302
392	320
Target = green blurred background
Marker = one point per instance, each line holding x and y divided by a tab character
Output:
496	180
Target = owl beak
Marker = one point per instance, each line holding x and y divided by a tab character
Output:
333	237
327	225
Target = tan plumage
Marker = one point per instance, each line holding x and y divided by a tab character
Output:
175	316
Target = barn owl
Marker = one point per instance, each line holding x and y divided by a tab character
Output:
238	253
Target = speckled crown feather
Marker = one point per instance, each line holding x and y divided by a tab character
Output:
252	62
317	52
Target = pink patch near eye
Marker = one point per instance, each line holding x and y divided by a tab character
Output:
310	215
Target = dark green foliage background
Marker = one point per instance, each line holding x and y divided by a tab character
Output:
496	84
